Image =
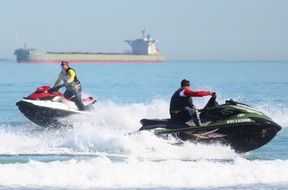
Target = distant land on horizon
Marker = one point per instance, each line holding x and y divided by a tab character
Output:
13	59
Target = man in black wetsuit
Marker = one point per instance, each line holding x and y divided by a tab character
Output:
181	104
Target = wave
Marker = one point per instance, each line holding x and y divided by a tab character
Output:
101	172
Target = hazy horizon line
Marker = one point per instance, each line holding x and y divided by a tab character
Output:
188	60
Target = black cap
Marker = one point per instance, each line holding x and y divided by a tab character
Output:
185	82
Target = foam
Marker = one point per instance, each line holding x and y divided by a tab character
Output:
101	172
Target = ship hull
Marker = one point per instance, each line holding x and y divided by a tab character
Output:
36	56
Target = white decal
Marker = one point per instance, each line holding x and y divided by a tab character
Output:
241	115
232	121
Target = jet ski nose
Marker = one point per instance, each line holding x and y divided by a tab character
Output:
274	126
18	103
270	129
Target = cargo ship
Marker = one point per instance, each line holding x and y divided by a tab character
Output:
142	50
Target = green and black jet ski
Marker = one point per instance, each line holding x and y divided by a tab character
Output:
235	124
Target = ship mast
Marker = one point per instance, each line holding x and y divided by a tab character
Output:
143	33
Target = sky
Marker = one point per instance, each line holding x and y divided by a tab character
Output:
185	29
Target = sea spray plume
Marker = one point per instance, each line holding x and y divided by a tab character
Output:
278	112
123	117
102	130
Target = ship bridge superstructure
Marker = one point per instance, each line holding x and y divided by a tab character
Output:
144	46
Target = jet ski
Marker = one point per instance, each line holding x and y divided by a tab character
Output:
235	124
46	106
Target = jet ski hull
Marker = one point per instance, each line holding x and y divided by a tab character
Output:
47	107
43	116
242	137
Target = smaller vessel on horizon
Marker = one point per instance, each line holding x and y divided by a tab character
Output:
142	50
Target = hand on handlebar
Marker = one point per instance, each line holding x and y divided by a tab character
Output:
55	88
214	94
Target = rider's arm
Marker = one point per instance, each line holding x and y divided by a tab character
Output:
71	75
57	81
190	93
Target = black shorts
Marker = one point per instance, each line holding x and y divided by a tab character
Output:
182	116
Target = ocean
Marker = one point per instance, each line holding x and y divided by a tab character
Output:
97	153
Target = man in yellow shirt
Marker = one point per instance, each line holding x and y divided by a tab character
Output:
72	84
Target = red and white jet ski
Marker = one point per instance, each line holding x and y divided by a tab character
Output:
46	108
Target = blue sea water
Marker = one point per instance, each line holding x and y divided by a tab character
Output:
95	153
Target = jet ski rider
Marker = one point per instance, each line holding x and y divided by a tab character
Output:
72	84
181	104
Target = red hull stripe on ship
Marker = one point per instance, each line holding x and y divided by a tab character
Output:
89	61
